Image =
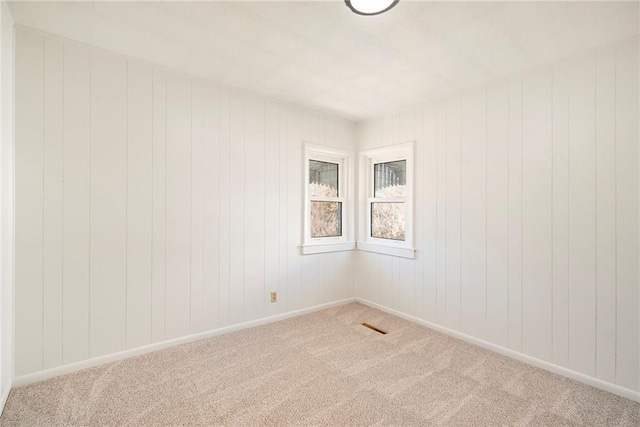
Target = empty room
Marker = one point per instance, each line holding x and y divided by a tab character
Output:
334	213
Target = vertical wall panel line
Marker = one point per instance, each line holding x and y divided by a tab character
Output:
446	210
286	199
595	206
553	142
486	210
244	201
153	181
245	100
615	218
126	208
90	192
460	219
44	65
522	340
437	204
166	175
62	216
569	223
218	215
286	195
203	106
462	215
423	237
229	204
282	260
264	203
508	214
190	201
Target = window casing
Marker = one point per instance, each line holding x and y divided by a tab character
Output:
328	213
386	186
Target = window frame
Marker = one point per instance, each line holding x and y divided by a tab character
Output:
344	160
369	158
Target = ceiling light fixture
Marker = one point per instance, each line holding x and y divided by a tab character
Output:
370	7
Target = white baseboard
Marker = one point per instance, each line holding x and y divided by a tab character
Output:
74	367
78	366
4	397
586	379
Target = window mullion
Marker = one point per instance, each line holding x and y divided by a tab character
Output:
388	200
326	199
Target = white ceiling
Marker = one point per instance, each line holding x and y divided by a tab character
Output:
321	55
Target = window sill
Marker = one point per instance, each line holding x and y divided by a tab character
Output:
387	250
321	248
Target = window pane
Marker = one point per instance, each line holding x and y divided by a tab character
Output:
326	219
323	179
390	179
387	220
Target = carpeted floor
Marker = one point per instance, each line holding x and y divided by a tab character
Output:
319	369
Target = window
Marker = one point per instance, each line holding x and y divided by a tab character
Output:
328	206
386	183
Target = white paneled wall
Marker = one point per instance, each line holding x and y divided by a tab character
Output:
151	205
526	215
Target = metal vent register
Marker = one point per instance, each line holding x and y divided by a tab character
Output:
373	328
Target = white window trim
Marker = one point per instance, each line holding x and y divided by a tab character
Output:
368	158
346	242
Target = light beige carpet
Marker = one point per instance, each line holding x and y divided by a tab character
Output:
319	369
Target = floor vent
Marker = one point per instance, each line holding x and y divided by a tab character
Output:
373	328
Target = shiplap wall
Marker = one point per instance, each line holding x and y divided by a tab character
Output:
526	214
151	205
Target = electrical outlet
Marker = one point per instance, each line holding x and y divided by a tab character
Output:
274	297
